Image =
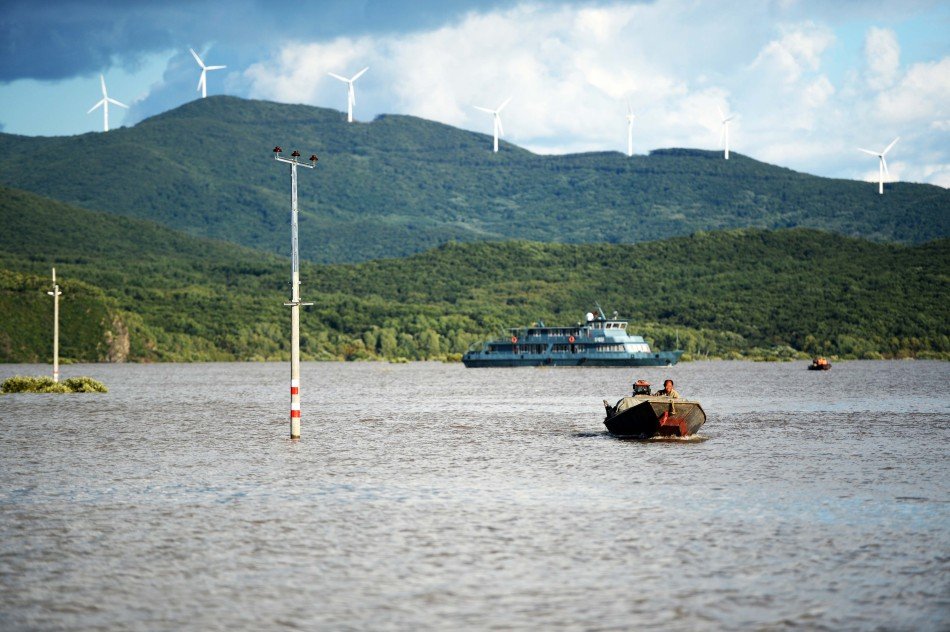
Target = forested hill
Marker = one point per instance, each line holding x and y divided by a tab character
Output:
134	290
400	185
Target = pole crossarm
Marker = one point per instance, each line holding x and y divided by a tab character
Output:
294	162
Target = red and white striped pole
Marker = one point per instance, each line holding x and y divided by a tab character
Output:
295	302
55	293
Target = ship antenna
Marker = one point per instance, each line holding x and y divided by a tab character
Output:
600	310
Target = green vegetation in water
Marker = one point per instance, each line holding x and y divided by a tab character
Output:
43	384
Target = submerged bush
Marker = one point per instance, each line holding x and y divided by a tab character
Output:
85	384
30	384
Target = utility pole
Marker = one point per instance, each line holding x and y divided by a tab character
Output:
55	293
295	302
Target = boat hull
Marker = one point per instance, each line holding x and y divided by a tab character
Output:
646	417
482	360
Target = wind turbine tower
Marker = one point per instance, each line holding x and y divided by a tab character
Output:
203	81
630	117
882	164
498	130
106	100
724	134
350	92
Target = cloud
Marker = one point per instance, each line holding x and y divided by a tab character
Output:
60	39
796	52
882	55
565	69
805	90
571	69
938	174
921	95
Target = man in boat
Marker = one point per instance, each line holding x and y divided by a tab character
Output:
667	390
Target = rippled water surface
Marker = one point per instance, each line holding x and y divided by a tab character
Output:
430	496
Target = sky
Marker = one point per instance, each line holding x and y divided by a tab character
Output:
808	81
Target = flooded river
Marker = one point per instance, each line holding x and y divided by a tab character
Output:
430	496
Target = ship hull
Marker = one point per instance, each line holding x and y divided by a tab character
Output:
478	360
646	417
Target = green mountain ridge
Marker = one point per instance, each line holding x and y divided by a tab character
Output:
134	290
400	185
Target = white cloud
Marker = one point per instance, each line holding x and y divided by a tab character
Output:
570	70
938	174
922	95
882	54
798	51
299	74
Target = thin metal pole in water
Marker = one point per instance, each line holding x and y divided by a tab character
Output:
295	302
55	293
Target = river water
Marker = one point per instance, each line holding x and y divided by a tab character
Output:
430	496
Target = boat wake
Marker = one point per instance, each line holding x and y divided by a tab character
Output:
693	438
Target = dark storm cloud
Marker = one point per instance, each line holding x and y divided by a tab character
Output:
58	39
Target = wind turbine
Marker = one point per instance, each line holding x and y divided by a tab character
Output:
724	134
496	119
350	92
106	100
630	117
882	166
203	81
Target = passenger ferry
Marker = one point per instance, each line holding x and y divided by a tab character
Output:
601	341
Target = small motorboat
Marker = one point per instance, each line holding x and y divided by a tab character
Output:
819	364
644	416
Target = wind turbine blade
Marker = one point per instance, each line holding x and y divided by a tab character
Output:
352	94
502	106
102	80
478	107
893	142
359	74
729	118
629	111
201	80
96	106
884	164
336	76
868	151
215	67
119	103
501	130
197	59
722	116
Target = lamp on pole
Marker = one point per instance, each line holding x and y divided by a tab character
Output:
55	293
295	302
